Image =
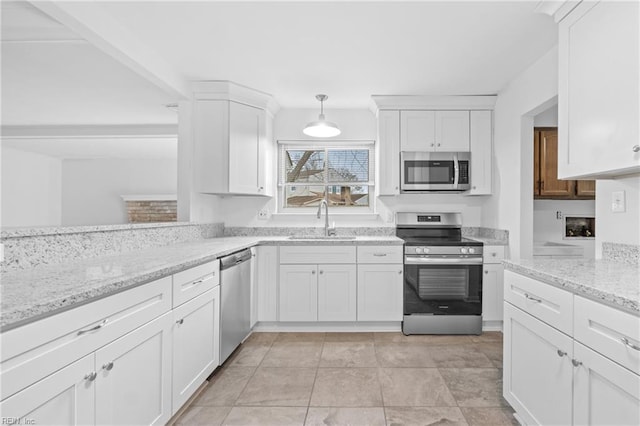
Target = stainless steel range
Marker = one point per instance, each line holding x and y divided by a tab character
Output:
442	275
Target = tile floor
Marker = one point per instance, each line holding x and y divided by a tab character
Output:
357	379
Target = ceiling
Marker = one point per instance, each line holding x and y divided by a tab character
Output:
294	50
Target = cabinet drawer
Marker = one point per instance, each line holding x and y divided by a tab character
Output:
318	254
545	302
606	329
195	281
36	350
492	254
380	254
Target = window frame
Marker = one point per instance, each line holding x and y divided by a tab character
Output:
283	145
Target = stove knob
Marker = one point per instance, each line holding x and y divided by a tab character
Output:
419	250
426	250
464	250
472	250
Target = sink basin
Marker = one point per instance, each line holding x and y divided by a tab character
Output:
321	237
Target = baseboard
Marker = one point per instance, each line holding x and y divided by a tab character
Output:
491	325
319	327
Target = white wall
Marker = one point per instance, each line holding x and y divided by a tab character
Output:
92	189
547	118
511	205
547	227
617	227
31	189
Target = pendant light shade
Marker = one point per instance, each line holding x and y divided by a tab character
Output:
321	128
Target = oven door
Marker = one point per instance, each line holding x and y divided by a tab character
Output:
449	286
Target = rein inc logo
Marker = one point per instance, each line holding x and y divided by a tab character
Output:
16	421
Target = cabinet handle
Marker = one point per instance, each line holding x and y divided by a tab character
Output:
532	298
321	272
396	187
380	254
636	148
108	366
628	343
576	363
494	254
541	184
399	272
432	144
438	144
180	321
97	327
91	376
473	187
561	353
197	282
486	272
313	272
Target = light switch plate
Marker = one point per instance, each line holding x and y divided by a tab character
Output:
618	204
263	214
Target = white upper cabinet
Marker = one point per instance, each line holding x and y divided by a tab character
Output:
434	131
598	126
388	149
481	152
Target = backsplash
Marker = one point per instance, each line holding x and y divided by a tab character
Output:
621	253
30	247
243	231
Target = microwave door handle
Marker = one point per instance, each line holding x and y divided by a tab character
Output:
456	171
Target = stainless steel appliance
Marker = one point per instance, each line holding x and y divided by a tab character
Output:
235	301
434	171
442	275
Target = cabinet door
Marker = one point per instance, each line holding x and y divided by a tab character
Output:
389	152
66	397
481	145
380	292
267	282
598	90
134	376
604	392
550	186
536	163
492	292
537	369
586	188
337	292
245	134
452	131
298	293
417	131
196	351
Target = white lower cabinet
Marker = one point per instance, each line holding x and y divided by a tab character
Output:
66	397
551	375
380	292
134	377
492	285
196	349
298	293
537	378
266	283
336	292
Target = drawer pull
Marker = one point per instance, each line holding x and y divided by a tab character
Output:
97	327
197	282
533	299
576	363
494	254
380	254
91	376
108	366
561	353
628	343
180	321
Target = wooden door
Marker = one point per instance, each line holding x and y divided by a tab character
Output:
586	188
536	163
133	386
337	292
550	185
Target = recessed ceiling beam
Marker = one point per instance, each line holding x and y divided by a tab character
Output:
91	22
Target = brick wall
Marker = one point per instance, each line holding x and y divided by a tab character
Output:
152	211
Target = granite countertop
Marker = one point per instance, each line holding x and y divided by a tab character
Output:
489	241
613	283
31	294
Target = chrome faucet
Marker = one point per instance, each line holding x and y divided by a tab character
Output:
328	232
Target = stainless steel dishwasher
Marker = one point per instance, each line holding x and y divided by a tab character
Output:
235	301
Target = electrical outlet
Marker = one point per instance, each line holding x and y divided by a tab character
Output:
263	214
618	204
559	215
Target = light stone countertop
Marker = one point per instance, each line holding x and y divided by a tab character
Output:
32	294
488	241
615	284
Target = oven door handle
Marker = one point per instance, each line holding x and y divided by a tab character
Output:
410	260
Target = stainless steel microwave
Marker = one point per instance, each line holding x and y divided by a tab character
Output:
434	171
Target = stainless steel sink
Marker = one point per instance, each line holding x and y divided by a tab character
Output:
321	237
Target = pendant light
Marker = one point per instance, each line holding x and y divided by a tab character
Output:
321	128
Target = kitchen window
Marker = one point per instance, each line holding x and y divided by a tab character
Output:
340	172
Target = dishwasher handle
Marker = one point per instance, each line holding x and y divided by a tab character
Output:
235	259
